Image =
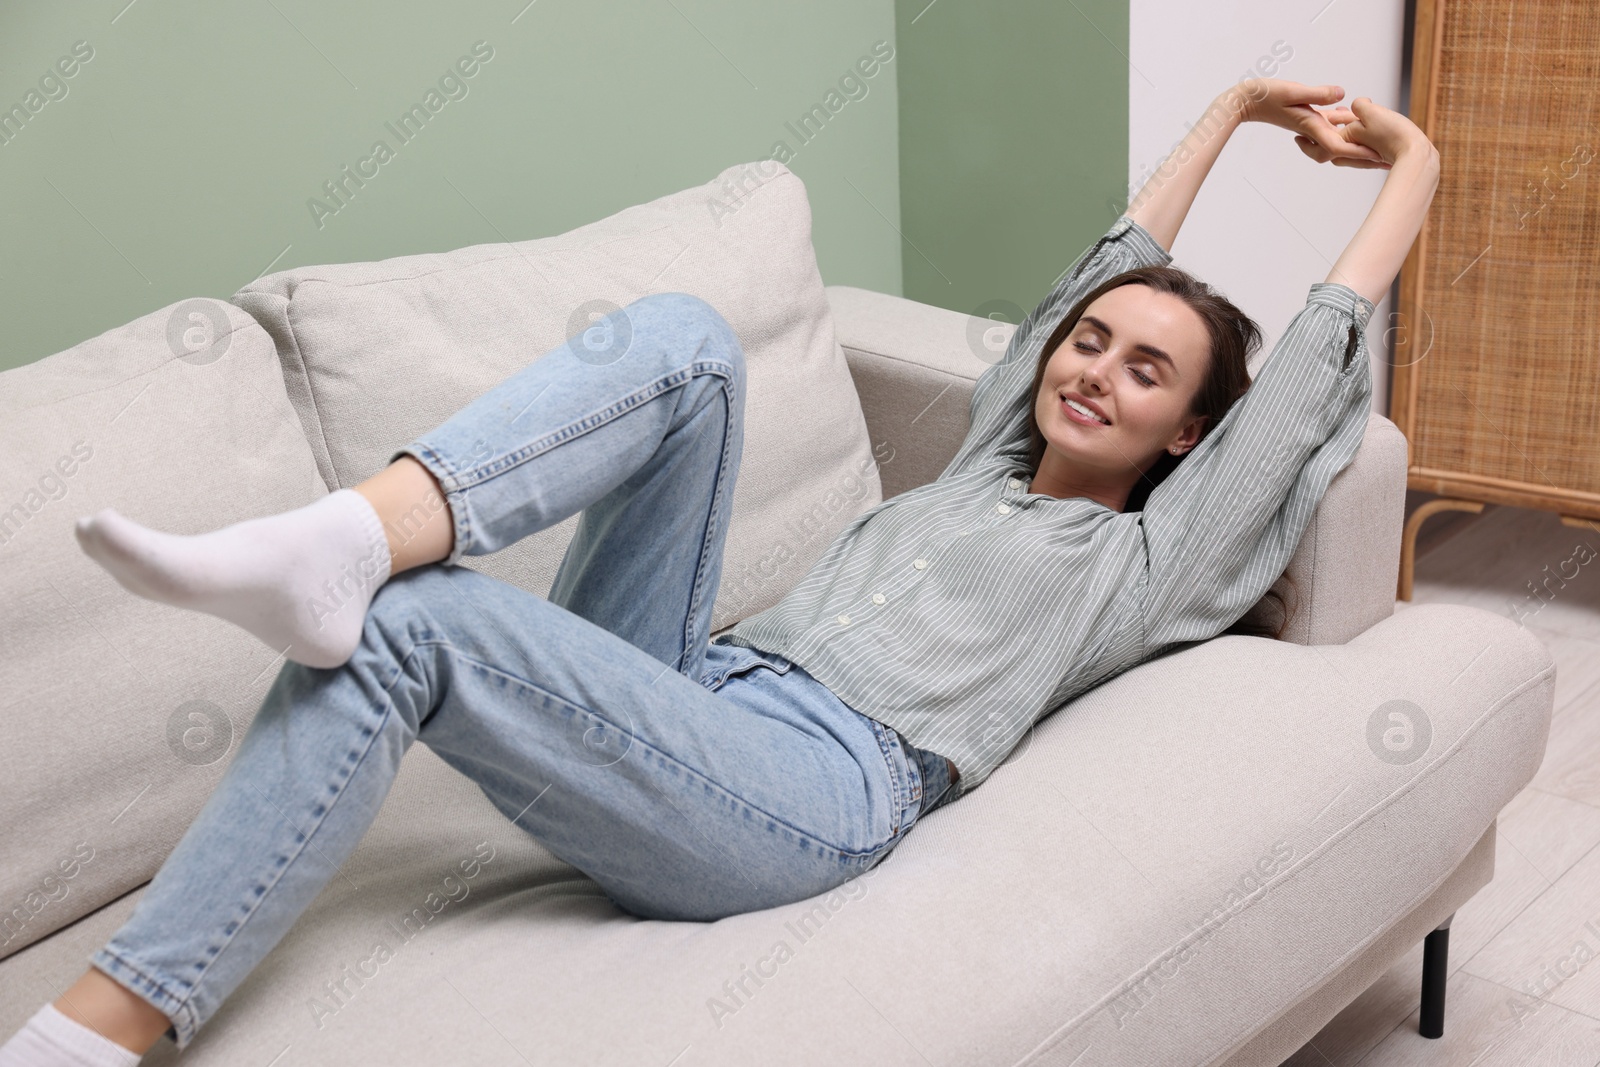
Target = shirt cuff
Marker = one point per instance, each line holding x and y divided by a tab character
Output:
1139	241
1342	298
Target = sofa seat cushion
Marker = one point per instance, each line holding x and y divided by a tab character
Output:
1164	867
377	353
118	713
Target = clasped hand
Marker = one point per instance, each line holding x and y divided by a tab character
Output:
1364	134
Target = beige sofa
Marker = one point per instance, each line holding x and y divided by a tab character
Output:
1199	862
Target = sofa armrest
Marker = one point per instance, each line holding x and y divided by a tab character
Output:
1347	564
915	368
915	373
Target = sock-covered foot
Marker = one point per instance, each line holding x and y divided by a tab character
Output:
300	580
51	1039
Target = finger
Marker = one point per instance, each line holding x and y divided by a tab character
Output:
1330	138
1342	144
1332	141
1363	164
1356	150
1315	94
1355	132
1358	153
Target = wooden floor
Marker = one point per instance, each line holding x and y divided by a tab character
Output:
1524	987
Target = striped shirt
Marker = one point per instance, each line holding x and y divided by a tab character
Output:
961	612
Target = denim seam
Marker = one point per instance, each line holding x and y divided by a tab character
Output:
842	853
941	768
899	787
253	907
919	776
458	514
459	481
697	592
576	428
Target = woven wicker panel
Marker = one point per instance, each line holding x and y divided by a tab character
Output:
1501	361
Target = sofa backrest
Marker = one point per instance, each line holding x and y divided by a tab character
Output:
118	712
376	353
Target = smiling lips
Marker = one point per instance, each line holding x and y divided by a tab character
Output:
1080	410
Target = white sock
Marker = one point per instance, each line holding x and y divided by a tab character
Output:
300	580
51	1039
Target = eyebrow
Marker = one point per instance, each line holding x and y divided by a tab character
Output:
1149	350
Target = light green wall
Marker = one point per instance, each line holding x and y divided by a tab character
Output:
182	157
1013	143
969	169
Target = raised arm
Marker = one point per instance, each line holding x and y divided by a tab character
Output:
1000	408
1374	256
1160	207
1363	135
1221	528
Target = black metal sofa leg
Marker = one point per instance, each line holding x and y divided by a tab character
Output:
1435	967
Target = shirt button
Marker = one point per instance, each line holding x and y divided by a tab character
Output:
1014	483
844	620
919	564
877	598
1004	509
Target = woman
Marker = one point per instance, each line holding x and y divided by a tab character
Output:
1119	493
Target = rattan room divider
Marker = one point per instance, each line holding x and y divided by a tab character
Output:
1496	347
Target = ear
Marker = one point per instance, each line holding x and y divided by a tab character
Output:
1189	436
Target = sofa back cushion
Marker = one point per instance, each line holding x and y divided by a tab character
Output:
375	354
119	713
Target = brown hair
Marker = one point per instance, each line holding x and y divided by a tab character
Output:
1234	338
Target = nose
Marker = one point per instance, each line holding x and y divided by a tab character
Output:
1093	374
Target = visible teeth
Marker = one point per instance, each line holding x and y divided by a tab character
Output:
1075	406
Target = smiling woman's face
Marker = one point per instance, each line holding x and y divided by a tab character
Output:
1137	357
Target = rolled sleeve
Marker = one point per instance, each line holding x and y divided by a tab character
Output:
1137	243
1344	300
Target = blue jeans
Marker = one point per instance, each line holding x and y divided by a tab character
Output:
690	780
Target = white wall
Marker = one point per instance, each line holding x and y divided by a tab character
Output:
1268	222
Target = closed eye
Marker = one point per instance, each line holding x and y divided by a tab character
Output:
1143	379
